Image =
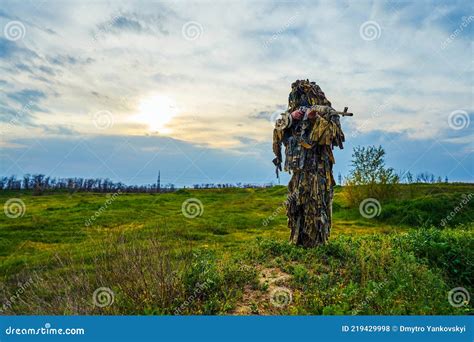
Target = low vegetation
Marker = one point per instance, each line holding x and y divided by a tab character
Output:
142	252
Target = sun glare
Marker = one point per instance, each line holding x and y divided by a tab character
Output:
156	111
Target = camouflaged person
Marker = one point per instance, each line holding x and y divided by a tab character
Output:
309	130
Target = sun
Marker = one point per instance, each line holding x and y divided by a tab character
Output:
156	111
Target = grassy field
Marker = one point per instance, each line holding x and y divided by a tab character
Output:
233	258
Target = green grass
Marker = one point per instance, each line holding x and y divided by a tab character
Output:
154	258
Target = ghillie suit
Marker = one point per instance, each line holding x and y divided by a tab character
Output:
309	130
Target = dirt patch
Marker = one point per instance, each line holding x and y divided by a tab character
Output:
270	297
273	276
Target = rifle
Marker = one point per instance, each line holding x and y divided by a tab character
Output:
344	113
285	121
329	111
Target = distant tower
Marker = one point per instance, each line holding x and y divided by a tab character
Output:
158	185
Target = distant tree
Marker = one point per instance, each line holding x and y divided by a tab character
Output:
339	178
446	180
369	177
26	182
38	184
11	183
425	177
409	177
3	182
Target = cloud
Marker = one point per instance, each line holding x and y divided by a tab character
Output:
87	58
24	67
10	50
124	23
136	160
27	95
131	22
64	60
58	130
266	115
47	70
131	160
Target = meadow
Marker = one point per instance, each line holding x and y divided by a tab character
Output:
137	254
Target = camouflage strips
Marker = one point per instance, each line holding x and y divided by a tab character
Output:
310	134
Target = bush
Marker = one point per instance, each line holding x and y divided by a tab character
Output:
450	250
369	177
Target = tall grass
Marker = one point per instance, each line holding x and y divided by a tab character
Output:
142	278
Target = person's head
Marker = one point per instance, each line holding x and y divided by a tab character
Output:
306	93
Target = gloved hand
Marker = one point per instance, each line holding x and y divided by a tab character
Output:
297	114
312	113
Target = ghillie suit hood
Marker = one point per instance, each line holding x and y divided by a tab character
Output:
307	94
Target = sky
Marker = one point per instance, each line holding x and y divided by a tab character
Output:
121	90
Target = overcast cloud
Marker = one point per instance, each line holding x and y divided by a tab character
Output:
83	72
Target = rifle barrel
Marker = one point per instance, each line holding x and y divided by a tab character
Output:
343	113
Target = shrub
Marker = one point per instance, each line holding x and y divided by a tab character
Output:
369	177
450	250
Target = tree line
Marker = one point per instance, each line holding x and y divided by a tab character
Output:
410	178
423	177
39	183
